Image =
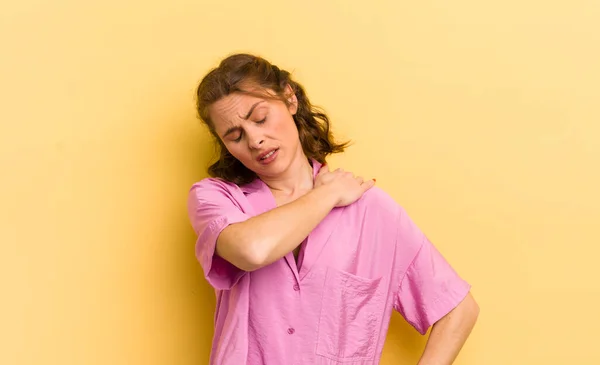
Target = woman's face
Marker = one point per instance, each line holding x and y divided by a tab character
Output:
259	132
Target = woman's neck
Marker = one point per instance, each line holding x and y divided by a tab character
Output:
296	181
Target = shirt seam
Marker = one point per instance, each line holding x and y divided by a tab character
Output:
412	261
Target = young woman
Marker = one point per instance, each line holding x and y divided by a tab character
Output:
307	263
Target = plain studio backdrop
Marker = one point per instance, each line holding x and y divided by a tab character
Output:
481	118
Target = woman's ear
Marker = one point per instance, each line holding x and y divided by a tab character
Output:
292	100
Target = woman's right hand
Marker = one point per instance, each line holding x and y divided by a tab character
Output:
344	184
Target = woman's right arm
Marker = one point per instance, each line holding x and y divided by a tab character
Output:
264	239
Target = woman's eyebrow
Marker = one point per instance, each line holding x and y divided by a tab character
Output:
252	109
231	130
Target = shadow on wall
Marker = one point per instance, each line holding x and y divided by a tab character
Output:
203	296
192	153
404	344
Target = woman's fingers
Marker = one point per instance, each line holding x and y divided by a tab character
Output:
368	184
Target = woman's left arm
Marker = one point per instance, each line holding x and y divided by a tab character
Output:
449	334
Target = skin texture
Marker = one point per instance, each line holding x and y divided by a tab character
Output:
270	125
449	334
250	126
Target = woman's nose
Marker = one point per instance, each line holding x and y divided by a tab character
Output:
256	142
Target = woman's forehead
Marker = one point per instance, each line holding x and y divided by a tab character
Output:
235	104
234	108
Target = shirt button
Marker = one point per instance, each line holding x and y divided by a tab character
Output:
296	287
291	331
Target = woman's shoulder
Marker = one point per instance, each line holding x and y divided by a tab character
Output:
214	189
377	198
213	183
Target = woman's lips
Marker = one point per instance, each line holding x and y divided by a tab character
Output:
268	157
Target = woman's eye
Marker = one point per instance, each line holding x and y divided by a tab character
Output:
262	120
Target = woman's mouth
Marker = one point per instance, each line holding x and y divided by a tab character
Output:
268	157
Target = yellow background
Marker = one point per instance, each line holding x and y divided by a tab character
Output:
481	118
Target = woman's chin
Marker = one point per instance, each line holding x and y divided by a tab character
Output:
271	170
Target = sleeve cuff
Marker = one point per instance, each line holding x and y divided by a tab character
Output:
219	273
444	304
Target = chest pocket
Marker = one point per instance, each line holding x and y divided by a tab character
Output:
352	310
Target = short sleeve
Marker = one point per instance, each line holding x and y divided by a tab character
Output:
212	207
430	288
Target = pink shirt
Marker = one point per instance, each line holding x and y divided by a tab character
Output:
361	262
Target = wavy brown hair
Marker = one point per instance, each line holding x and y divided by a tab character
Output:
233	75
